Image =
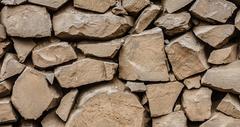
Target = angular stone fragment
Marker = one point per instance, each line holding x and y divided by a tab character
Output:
237	20
85	71
193	82
66	104
52	120
223	78
49	76
118	9
174	119
135	6
186	56
142	57
3	47
224	55
12	2
163	92
3	35
28	123
72	23
52	4
213	10
174	23
136	86
7	113
53	54
26	21
197	103
5	88
214	35
173	5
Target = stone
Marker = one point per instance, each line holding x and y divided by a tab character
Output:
134	6
26	21
106	49
118	9
94	5
193	82
23	47
174	23
28	123
10	66
52	120
224	55
186	55
136	86
33	97
85	71
52	4
237	20
230	105
224	78
173	5
214	35
7	113
5	88
49	76
66	104
213	10
163	92
71	23
3	34
12	2
145	18
136	62
52	54
197	103
174	119
4	45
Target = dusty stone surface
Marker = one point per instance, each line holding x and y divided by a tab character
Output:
3	34
36	21
134	6
136	86
52	4
52	120
173	5
163	92
7	113
136	62
28	123
4	45
193	82
12	2
197	103
5	88
118	8
186	56
237	20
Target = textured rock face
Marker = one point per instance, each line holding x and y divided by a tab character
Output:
5	88
26	21
52	4
52	120
136	86
193	82
134	6
12	2
173	5
4	45
2	33
7	113
237	20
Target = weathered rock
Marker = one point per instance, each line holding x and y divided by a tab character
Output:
85	71
66	104
26	21
237	20
3	34
214	35
12	2
193	82
224	78
142	57
173	5
163	92
5	88
72	23
28	123
106	49
52	120
3	47
52	4
186	56
174	23
7	113
49	76
136	86
134	6
118	9
197	103
53	54
174	119
213	10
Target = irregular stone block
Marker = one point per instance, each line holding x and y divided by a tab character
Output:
173	5
7	113
134	6
237	20
193	82
52	120
5	88
136	86
3	34
12	2
52	4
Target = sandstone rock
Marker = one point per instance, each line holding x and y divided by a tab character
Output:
5	88
26	21
177	107
72	23
213	10
3	35
174	23
12	2
7	113
49	76
28	123
224	78
33	97
118	9
85	71
52	120
237	20
163	92
3	47
106	49
214	35
224	55
10	66
53	54
193	82
174	119
197	103
52	4
136	86
142	57
173	5
186	56
66	104
135	6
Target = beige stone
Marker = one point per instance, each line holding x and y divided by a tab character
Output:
26	21
28	123
174	23
52	4
163	92
136	86
134	6
173	5
72	23
49	76
186	56
237	20
5	88
214	35
118	8
12	2
85	71
174	119
142	57
4	45
197	103
193	82
52	120
213	10
7	113
3	34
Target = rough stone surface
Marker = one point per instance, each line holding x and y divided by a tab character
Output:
136	86
134	6
193	82
7	113
5	88
12	2
52	4
4	47
173	5
237	20
52	120
3	34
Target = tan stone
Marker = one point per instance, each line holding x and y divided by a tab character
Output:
52	4
3	35
136	86
163	92
49	76
118	9
186	56
214	35
193	82
197	103
7	113
52	120
85	71
174	23
26	21
72	23
5	88
135	6
12	2
213	10
142	57
174	119
28	123
4	45
173	5
237	20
